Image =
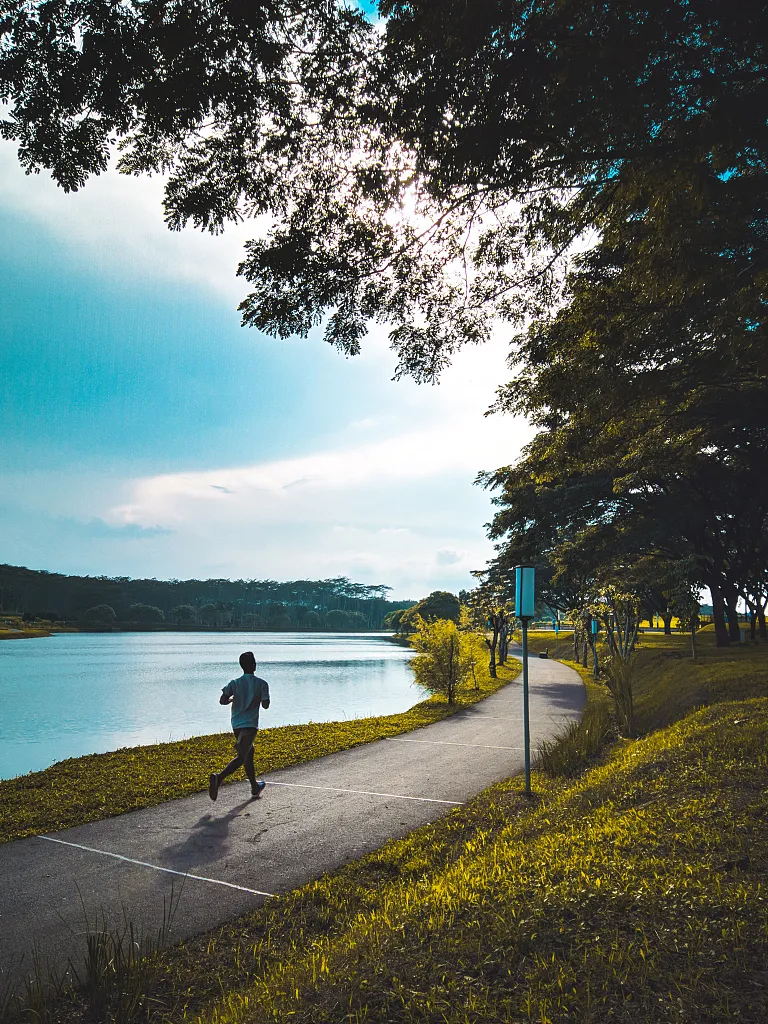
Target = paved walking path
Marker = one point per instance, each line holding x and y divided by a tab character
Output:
231	856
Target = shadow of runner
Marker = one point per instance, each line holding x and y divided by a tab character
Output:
206	842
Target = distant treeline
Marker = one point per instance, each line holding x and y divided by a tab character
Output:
100	600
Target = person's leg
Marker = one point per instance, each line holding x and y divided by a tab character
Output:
244	747
250	771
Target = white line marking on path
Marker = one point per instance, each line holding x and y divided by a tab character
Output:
448	743
368	792
156	867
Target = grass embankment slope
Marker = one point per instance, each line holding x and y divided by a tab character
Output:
100	786
635	893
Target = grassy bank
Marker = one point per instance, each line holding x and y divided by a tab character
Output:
636	892
21	634
103	785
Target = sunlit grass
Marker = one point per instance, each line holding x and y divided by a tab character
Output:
22	634
633	893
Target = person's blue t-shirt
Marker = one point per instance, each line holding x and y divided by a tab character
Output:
247	693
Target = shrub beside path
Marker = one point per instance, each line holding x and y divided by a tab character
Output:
221	860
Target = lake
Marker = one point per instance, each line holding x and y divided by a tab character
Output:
84	693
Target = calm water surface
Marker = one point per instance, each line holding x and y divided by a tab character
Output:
83	693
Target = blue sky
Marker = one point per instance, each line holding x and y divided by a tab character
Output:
145	433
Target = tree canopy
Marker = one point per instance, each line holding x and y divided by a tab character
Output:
209	602
591	176
435	175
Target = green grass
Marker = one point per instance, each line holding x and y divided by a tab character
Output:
23	634
634	893
100	786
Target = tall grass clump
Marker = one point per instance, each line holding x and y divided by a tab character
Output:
577	745
621	673
113	984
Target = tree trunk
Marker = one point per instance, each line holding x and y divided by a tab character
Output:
734	630
503	644
575	644
761	622
492	645
718	614
667	619
613	646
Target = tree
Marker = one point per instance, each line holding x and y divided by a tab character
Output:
414	197
393	619
610	210
48	616
356	620
279	617
145	613
207	614
183	614
337	620
446	657
102	613
604	504
440	604
490	613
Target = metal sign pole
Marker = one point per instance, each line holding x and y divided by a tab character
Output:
525	610
526	727
595	628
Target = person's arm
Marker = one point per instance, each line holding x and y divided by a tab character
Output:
227	696
265	695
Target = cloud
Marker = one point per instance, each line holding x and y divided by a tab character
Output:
447	557
261	492
133	531
117	221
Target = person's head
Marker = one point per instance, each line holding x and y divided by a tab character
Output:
247	662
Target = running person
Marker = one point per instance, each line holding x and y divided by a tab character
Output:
246	695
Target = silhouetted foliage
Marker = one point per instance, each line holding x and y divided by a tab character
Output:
244	603
100	613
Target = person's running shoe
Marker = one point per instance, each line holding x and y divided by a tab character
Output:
213	786
258	789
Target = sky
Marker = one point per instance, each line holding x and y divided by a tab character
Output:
145	433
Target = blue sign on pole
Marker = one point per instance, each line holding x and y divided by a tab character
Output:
524	591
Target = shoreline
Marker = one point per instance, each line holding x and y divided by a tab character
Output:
35	633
